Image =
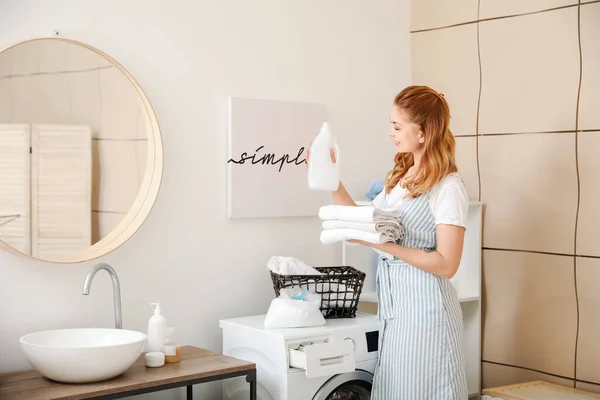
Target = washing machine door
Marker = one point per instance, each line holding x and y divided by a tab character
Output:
348	386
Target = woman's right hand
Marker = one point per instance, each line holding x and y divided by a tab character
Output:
331	152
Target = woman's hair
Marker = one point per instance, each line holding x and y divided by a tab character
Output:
429	110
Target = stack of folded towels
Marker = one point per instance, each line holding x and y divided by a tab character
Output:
366	223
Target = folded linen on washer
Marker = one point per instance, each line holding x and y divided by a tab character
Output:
329	236
368	214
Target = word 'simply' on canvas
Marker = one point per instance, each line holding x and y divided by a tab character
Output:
269	158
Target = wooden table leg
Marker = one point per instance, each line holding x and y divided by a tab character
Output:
190	392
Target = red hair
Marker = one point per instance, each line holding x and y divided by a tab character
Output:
429	110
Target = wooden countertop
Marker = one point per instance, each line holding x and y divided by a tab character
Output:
195	364
539	390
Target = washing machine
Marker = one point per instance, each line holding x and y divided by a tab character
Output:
332	362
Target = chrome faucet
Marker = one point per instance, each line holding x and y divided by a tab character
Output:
116	289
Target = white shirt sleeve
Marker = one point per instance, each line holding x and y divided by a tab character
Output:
450	202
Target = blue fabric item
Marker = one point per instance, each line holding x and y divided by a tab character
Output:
375	188
300	296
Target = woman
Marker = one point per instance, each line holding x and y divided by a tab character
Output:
421	349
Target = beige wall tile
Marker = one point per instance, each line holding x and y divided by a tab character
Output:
5	63
5	101
447	61
588	228
116	177
494	375
427	14
54	102
588	387
84	95
121	106
24	58
520	177
530	68
588	286
495	8
530	311
51	56
589	103
367	307
81	58
466	160
53	98
104	223
141	157
24	100
141	128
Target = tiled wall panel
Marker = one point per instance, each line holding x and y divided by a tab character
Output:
531	156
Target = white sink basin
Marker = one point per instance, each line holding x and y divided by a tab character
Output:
83	355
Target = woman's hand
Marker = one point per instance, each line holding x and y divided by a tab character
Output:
363	243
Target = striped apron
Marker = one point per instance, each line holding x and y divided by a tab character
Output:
420	339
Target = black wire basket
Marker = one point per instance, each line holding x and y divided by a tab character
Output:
339	288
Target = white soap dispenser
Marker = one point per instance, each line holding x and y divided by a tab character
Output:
323	173
157	328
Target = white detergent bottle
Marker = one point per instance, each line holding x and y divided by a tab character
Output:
323	173
157	328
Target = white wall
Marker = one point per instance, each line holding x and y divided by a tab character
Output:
351	55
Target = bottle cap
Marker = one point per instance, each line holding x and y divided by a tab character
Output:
326	127
157	309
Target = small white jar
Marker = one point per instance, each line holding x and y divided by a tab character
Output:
154	359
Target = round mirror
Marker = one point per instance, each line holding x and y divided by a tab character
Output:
80	151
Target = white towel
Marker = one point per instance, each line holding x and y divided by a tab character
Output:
368	214
341	224
329	236
392	229
290	266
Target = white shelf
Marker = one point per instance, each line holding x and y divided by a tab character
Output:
466	298
371	297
